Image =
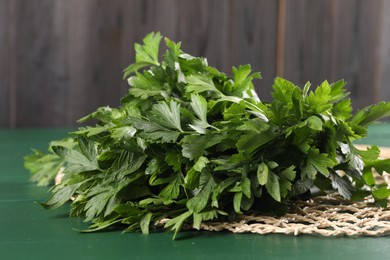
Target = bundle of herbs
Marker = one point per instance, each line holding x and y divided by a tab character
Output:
192	144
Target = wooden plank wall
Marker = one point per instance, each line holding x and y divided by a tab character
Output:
60	60
4	79
385	54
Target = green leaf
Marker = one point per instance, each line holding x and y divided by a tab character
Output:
174	160
198	218
279	112
338	91
284	90
173	52
191	179
273	186
103	114
286	178
199	106
128	163
145	223
321	99
380	166
172	190
167	115
301	186
124	132
201	163
381	193
127	209
135	67
237	202
153	167
288	173
61	194
102	225
354	159
112	203
176	223
306	89
146	54
359	195
146	93
246	187
163	136
368	177
201	199
92	131
262	173
144	124
250	142
97	203
272	165
243	79
198	83
371	114
247	203
194	146
314	123
370	155
342	109
193	175
75	161
316	162
43	167
88	149
148	84
343	185
256	125
234	111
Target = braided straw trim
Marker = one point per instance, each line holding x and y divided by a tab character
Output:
323	215
328	215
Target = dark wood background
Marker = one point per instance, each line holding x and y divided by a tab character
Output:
61	59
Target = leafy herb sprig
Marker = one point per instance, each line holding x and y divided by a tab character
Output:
192	144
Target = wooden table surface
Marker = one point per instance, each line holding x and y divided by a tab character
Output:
27	231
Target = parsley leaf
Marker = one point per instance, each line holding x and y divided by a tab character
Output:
167	115
146	54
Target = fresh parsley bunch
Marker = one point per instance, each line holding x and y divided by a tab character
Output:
192	144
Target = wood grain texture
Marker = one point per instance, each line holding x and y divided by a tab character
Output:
57	69
60	60
254	38
306	45
281	37
31	55
141	17
335	40
95	31
4	85
355	48
203	28
385	53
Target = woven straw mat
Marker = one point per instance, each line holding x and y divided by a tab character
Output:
328	215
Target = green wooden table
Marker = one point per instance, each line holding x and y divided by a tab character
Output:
27	231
